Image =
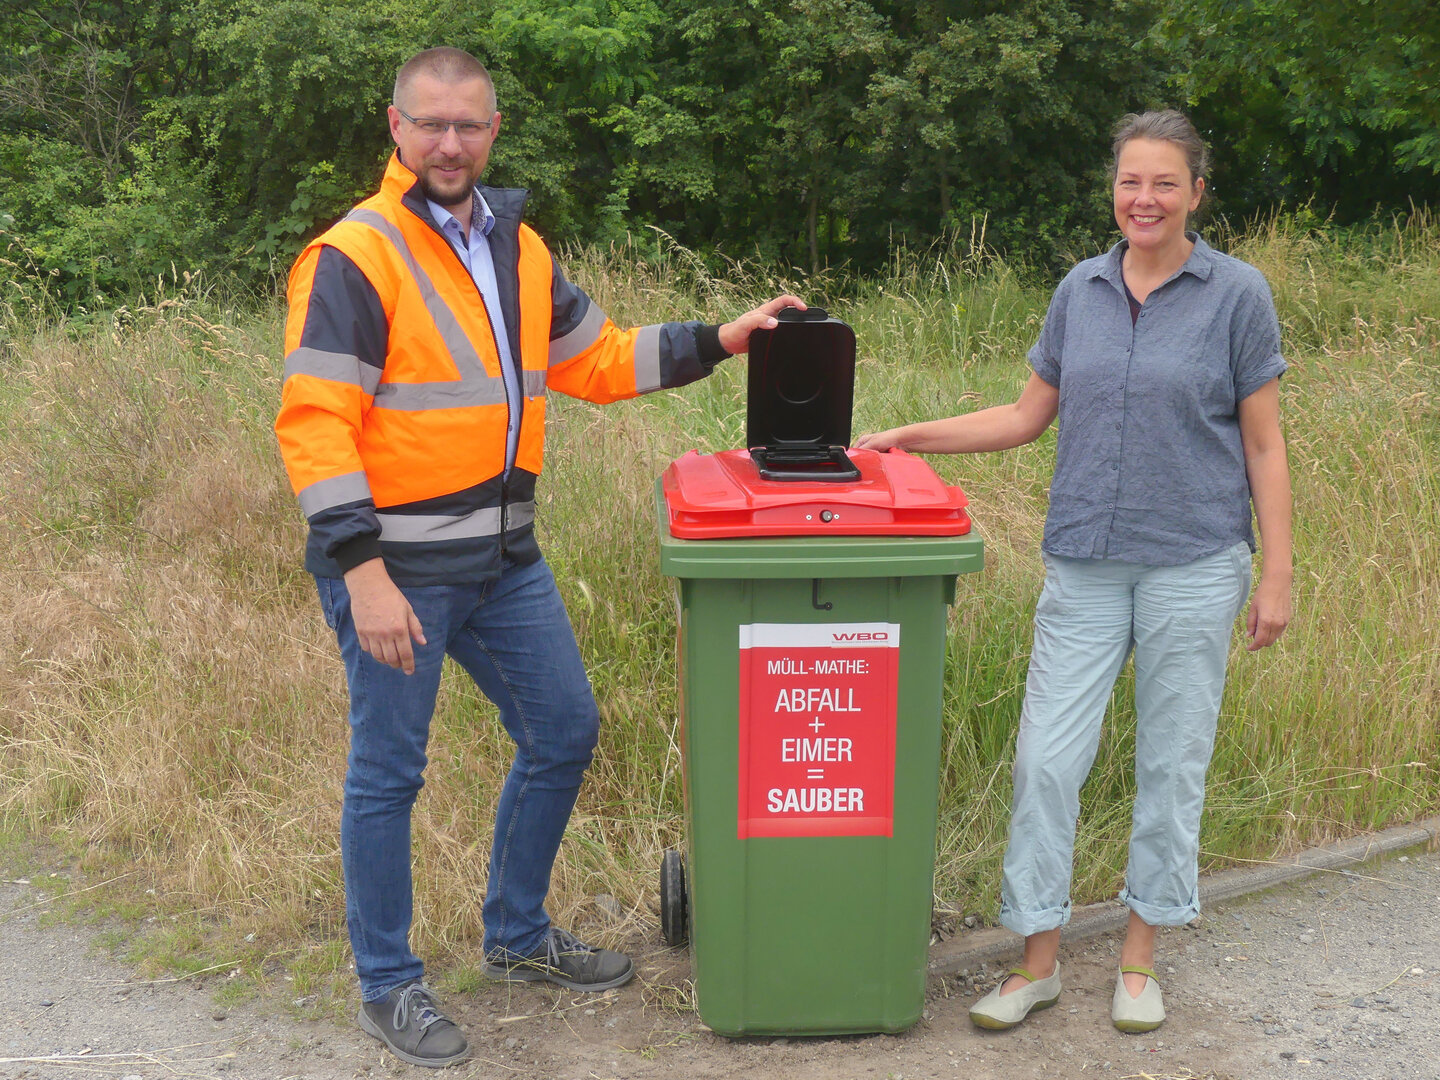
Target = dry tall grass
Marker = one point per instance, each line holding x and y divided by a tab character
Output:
170	699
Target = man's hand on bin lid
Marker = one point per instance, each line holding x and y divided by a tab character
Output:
735	336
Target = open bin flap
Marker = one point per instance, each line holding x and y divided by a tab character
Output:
799	395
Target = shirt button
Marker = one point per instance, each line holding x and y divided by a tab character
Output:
1113	466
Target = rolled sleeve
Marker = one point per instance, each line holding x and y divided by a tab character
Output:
1256	356
1044	355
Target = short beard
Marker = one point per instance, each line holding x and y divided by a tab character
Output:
442	199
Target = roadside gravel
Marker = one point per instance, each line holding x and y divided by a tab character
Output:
1335	977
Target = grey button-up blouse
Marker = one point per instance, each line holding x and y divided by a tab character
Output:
1149	466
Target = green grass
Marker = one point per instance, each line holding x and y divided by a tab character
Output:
170	700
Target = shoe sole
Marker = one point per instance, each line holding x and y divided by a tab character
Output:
500	973
372	1029
1136	1027
989	1023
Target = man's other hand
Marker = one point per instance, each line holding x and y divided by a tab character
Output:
384	621
735	336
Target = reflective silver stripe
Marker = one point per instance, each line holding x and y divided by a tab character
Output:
411	397
533	383
336	367
336	491
647	359
461	350
427	528
571	344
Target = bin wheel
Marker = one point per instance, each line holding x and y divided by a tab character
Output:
674	903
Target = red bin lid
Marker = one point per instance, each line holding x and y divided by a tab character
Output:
708	496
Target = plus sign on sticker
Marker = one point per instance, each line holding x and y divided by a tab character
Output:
817	729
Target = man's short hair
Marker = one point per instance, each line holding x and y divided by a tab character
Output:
444	64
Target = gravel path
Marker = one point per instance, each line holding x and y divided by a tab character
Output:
1334	977
1340	974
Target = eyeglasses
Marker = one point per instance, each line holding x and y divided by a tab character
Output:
466	130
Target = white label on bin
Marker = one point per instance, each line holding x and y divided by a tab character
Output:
817	729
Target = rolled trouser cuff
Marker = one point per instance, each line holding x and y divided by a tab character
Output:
1026	923
1161	915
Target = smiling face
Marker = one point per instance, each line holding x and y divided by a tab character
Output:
1154	194
447	166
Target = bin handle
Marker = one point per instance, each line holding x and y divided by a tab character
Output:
815	596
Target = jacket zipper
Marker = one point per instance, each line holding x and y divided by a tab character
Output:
510	406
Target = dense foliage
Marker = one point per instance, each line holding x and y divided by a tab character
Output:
219	135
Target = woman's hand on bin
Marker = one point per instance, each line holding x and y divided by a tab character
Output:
735	336
880	441
999	427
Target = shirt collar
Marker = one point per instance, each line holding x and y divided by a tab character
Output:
479	212
1199	264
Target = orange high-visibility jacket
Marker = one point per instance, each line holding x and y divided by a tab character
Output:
393	414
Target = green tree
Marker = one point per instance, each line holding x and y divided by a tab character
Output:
101	195
295	107
1332	100
829	130
568	72
765	102
1001	111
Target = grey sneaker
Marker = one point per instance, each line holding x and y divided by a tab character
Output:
409	1021
565	961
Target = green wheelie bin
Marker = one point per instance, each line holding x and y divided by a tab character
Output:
810	681
813	592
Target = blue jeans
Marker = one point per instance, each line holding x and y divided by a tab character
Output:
513	637
1092	613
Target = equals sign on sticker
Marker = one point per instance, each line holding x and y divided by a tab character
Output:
815	774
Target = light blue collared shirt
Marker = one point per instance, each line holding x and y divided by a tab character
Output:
474	252
1149	464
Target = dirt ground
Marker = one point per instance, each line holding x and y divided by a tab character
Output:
1335	977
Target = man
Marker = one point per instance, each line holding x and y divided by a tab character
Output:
425	329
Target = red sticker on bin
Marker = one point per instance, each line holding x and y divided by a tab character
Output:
817	729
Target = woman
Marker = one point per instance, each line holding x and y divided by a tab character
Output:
1162	360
